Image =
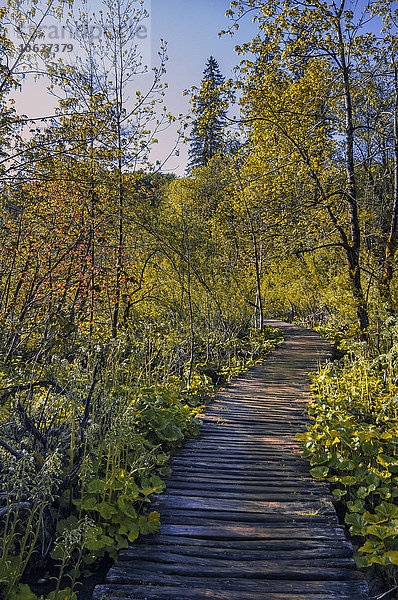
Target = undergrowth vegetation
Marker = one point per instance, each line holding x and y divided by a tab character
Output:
352	443
86	443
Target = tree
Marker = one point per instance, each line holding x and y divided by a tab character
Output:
209	117
21	21
306	121
105	137
388	53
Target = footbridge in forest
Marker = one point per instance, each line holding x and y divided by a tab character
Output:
242	519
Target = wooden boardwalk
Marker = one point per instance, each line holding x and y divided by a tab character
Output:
241	517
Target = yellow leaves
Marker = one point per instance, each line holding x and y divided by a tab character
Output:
390	557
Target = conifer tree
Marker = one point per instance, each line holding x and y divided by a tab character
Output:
209	117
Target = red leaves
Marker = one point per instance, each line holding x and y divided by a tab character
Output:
60	255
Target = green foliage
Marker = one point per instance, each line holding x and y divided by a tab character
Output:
209	117
352	442
23	592
102	450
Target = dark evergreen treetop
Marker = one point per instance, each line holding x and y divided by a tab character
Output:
209	109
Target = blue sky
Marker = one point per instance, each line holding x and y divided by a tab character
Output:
191	29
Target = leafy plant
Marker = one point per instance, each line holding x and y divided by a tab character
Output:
352	442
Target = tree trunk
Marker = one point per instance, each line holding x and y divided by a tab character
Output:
391	246
119	250
353	252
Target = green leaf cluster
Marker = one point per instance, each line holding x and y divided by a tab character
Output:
351	442
23	592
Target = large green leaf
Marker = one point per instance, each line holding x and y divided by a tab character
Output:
390	558
106	510
319	472
96	486
381	531
134	531
89	503
357	522
171	432
126	506
150	523
387	510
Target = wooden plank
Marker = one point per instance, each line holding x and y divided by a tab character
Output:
226	481
272	474
241	470
162	573
254	425
180	592
239	462
282	508
271	543
271	486
267	413
145	551
262	473
197	517
253	532
219	433
243	447
257	479
242	455
223	428
252	516
246	439
276	468
244	494
242	444
238	563
247	413
252	418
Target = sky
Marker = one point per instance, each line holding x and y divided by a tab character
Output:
190	28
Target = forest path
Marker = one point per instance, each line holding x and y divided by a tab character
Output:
242	519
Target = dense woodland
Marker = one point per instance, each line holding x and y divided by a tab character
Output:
128	294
